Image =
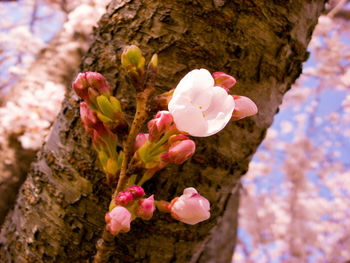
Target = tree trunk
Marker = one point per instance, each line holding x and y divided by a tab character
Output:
60	211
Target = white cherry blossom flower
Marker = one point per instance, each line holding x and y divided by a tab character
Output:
198	107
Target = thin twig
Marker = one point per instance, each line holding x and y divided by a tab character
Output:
106	244
140	117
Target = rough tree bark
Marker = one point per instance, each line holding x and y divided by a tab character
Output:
59	214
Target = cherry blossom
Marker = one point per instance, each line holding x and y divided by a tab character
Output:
198	106
190	208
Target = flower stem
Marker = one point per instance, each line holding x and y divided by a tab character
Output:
139	119
105	246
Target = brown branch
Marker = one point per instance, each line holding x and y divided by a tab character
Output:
140	117
106	244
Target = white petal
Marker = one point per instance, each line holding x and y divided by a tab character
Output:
190	191
203	79
201	98
178	100
196	81
189	119
220	111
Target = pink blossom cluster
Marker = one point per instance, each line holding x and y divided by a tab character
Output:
190	208
127	206
295	199
32	114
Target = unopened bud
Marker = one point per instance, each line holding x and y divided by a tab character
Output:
152	70
223	80
80	86
179	152
132	58
98	82
154	61
136	191
89	85
88	117
244	107
190	208
124	199
140	140
159	124
118	220
145	208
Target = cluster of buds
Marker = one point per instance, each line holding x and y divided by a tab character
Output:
104	141
164	144
190	208
127	206
95	90
134	64
102	118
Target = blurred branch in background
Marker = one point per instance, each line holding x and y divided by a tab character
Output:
41	48
295	201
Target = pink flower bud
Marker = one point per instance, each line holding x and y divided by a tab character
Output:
177	138
244	107
140	140
100	134
80	86
145	208
88	117
179	152
223	80
118	220
88	85
190	208
124	198
159	124
97	81
136	191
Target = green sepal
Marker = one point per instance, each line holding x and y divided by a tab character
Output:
103	118
112	166
103	157
105	106
115	104
112	205
153	62
120	158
